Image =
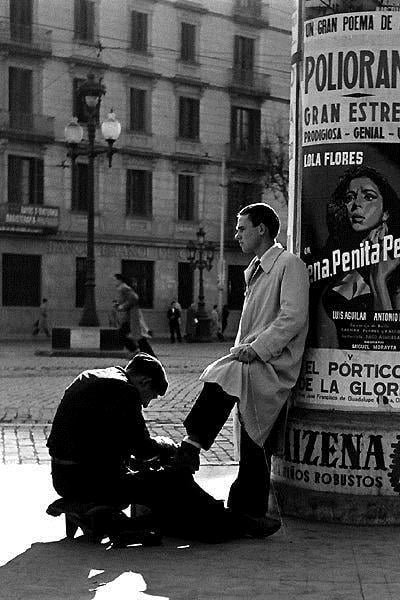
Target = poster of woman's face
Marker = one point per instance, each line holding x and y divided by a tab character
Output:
351	244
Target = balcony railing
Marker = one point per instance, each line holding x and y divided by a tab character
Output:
23	123
249	80
30	38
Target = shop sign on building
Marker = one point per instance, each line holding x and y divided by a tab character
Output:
27	217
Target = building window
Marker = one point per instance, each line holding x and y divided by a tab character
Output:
241	194
80	280
20	98
139	193
80	187
141	272
189	117
25	180
138	109
243	57
84	20
21	20
79	109
139	38
22	279
188	42
245	129
185	284
186	197
236	286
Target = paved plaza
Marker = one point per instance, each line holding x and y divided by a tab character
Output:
303	561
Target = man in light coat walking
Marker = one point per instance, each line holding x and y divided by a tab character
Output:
262	366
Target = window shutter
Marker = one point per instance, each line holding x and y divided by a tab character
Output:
196	118
255	126
236	52
248	54
20	90
134	29
79	192
36	181
234	137
78	18
149	193
14	179
182	117
128	192
143	32
138	110
188	42
139	31
181	198
90	17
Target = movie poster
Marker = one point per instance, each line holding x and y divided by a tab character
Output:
350	237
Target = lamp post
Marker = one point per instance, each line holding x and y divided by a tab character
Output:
200	254
92	91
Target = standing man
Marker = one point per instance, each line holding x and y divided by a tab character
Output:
263	365
174	321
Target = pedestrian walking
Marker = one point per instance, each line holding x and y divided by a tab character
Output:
262	367
139	328
42	323
127	299
174	321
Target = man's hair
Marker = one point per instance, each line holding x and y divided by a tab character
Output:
145	364
260	212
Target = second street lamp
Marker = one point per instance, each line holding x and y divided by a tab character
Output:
92	91
201	255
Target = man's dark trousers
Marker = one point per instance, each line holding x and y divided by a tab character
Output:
249	492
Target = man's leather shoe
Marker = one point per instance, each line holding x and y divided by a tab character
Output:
259	527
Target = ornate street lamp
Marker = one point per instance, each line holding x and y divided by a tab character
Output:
200	254
92	91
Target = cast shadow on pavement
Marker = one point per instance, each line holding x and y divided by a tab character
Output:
176	570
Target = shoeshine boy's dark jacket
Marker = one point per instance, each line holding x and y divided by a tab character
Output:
100	421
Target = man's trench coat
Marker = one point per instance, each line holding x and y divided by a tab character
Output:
274	322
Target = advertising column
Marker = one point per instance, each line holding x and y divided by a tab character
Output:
344	435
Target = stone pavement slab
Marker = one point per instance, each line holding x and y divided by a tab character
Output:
310	561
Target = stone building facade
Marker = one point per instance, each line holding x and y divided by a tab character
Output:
194	85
